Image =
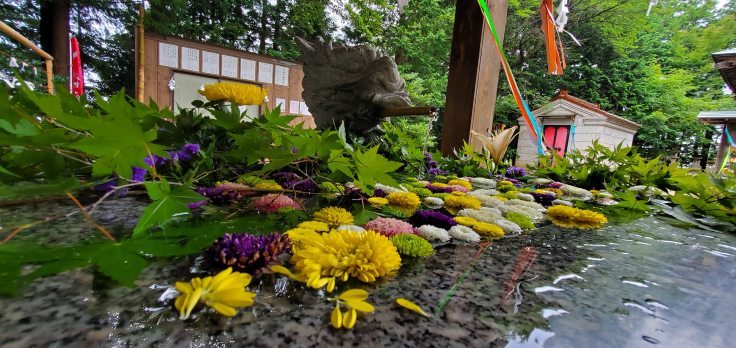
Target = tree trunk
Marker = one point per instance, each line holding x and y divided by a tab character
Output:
262	33
705	149
54	29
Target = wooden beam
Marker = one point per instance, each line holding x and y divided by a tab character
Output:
474	72
48	59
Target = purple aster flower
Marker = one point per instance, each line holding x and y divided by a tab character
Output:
515	172
197	205
306	185
248	253
294	149
433	168
432	217
107	186
544	199
139	174
156	160
282	177
187	152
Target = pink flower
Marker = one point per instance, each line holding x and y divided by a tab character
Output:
458	188
389	226
270	203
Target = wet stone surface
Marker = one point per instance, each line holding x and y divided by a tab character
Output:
637	284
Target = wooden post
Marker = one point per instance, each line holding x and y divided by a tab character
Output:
474	69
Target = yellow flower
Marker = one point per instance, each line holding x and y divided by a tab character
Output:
341	254
238	93
224	293
570	217
298	234
378	201
354	299
464	183
454	203
411	306
439	184
501	198
334	216
265	185
505	182
458	193
406	200
318	226
466	221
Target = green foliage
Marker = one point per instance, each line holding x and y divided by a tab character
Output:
707	195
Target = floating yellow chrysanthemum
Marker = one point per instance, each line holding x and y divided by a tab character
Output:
570	217
320	259
454	203
465	220
224	293
378	201
439	184
464	183
334	216
318	226
238	93
406	200
480	227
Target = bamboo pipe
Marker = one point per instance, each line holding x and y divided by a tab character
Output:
141	55
25	42
409	111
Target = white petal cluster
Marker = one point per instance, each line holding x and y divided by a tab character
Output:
573	192
355	228
480	215
509	227
648	191
464	233
388	189
540	181
483	183
561	202
531	213
533	205
487	192
434	202
493	211
488	201
525	197
430	232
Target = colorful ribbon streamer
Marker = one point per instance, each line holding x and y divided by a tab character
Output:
534	131
731	144
555	55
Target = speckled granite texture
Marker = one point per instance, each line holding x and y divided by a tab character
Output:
502	300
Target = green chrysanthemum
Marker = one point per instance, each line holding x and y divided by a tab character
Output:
420	191
520	219
412	245
330	187
249	180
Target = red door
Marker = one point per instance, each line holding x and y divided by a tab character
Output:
556	137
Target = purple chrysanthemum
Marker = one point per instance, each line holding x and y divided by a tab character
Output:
437	189
219	195
305	185
248	253
544	199
282	177
515	172
516	183
432	217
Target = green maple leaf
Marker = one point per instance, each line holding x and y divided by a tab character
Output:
372	168
168	203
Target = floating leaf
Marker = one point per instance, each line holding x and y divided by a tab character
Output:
411	306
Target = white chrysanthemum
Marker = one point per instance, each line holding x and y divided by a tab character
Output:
486	192
354	228
561	202
480	215
423	182
525	197
434	202
493	211
430	232
532	205
488	201
578	193
540	181
509	227
464	233
483	183
388	189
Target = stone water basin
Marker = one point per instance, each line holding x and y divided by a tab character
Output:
637	284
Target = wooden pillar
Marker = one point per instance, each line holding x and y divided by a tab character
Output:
474	70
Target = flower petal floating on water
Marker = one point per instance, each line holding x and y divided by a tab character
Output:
224	293
411	306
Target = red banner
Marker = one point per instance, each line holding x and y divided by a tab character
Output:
77	80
